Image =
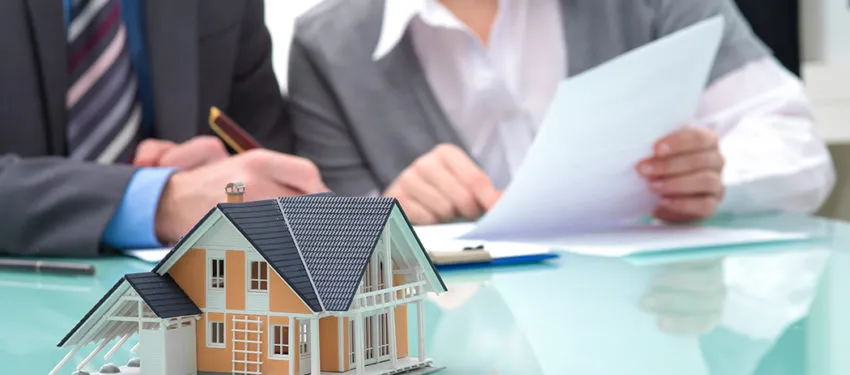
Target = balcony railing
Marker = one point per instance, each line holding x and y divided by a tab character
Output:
397	295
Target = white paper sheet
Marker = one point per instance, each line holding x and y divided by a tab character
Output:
444	239
148	255
619	242
660	238
579	174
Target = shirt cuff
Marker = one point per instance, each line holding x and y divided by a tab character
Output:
132	225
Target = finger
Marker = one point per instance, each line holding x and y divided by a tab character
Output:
701	182
422	190
436	174
698	207
150	151
666	215
689	325
683	302
687	140
416	213
287	170
196	152
470	175
681	164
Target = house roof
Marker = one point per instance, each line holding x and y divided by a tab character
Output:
165	298
336	236
320	244
263	225
160	293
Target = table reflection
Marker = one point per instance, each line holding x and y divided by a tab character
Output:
716	316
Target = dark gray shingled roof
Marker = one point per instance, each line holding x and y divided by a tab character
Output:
162	295
336	236
263	225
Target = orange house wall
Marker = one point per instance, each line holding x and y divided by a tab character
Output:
213	359
185	273
401	338
234	279
219	360
346	344
282	298
329	343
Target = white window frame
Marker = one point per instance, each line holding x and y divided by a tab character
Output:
272	343
304	337
210	342
259	278
212	277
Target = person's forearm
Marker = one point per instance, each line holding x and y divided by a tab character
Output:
774	161
55	207
775	171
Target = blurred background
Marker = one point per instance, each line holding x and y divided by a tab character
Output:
809	37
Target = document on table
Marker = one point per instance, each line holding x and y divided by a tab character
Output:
579	174
618	242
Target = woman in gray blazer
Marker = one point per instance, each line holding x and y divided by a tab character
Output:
436	102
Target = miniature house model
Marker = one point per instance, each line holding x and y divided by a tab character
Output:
314	284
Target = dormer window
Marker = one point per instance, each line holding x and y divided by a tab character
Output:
259	277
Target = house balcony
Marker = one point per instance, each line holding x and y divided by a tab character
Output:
389	297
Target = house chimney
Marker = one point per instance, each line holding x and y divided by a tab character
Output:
235	192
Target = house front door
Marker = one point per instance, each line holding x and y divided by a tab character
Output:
376	338
304	347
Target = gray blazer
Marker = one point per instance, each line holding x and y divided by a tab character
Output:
201	53
363	122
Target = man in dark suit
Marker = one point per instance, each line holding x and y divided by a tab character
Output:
88	87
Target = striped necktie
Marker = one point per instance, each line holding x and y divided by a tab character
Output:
102	101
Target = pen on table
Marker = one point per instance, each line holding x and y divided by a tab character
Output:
231	133
43	266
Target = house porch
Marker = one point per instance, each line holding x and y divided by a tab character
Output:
406	366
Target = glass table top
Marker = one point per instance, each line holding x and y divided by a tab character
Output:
754	310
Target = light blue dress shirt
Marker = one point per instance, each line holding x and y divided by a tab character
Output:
132	225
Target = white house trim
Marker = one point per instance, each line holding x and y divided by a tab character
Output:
270	313
292	323
189	242
315	353
415	247
341	343
359	347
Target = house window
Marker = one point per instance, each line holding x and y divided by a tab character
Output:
304	338
279	342
216	273
215	335
259	277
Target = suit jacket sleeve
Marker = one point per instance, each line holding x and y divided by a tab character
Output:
255	98
321	131
55	207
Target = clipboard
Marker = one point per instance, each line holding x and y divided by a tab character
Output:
488	255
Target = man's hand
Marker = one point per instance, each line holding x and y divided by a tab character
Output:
198	151
687	298
190	193
442	185
685	171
